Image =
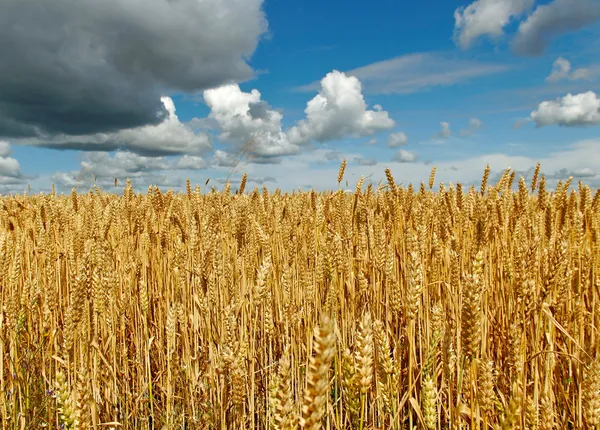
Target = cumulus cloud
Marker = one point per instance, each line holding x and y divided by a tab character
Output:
244	116
190	162
403	156
10	169
397	139
549	21
561	70
224	159
474	125
4	149
570	111
486	18
168	137
338	111
101	168
445	132
86	67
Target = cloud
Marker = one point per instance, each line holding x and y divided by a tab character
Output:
10	169
561	70
585	172
486	18
169	137
412	73
333	155
372	142
365	161
242	117
190	162
551	20
570	111
403	156
445	132
101	168
521	122
474	125
224	159
397	139
87	67
4	149
338	111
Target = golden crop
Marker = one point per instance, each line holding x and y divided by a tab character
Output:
385	308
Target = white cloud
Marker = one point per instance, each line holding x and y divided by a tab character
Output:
571	110
561	69
102	168
338	111
403	156
416	72
168	137
551	20
190	162
224	159
474	125
397	139
486	18
372	142
10	169
445	132
244	116
4	148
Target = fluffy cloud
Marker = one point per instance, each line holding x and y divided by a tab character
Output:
168	137
486	18
102	168
445	132
474	125
561	69
86	67
372	142
551	20
338	111
4	149
190	162
569	111
397	139
403	156
224	159
10	169
244	117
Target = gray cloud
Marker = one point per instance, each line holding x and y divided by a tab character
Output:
551	20
79	67
365	161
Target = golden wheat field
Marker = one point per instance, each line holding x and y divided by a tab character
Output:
431	307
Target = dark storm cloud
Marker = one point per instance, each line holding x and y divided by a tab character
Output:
80	67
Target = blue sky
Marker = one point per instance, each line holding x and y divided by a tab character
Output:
391	84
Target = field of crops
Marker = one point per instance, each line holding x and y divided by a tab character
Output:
396	308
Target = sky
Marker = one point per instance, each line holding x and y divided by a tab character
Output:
159	91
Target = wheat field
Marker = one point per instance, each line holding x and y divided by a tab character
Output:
437	307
